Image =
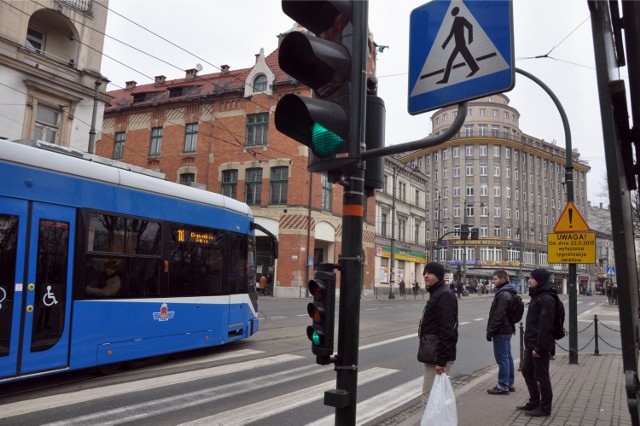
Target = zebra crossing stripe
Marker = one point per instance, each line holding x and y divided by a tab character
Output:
283	403
71	398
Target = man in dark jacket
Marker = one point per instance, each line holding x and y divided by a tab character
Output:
538	342
440	317
499	330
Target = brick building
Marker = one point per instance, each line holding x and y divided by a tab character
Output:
217	132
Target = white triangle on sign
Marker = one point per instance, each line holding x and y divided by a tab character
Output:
486	57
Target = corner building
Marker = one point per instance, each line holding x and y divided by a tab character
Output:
216	132
508	184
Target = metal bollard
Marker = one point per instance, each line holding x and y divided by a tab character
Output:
596	351
521	346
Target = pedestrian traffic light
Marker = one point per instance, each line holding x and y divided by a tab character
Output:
324	63
322	312
464	232
474	233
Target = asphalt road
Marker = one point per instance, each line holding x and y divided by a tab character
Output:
271	378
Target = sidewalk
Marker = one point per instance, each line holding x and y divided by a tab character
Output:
588	393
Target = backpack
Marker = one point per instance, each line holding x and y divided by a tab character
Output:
516	309
557	329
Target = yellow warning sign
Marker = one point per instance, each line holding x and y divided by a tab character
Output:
576	247
571	220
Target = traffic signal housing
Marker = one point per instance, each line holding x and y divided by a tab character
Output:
322	312
464	232
324	63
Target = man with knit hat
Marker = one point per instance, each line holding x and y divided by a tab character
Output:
440	318
538	342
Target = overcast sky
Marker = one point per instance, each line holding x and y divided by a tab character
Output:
232	32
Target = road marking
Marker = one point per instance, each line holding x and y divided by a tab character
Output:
280	317
270	407
380	404
201	361
478	319
156	407
71	398
372	309
464	323
385	342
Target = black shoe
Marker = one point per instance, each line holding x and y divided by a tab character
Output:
537	413
512	389
528	406
497	391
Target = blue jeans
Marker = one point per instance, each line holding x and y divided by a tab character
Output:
502	353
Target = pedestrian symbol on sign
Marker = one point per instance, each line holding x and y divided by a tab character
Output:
457	31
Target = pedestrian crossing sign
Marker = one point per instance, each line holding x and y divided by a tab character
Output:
459	50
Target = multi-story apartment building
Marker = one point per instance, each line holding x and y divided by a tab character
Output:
400	217
217	132
50	58
508	184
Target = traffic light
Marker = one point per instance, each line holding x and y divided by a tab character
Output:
474	233
322	311
324	63
464	232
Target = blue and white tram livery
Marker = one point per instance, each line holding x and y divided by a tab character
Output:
100	265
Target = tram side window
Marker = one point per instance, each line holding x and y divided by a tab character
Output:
196	262
238	246
8	253
123	258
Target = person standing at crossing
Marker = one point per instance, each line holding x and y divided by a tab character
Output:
499	331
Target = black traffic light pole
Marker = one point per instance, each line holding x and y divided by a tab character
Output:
352	222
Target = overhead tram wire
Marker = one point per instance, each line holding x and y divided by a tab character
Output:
220	126
177	46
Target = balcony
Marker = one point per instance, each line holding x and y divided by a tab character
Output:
83	6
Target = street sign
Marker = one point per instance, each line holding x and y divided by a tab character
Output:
572	247
458	51
611	271
571	220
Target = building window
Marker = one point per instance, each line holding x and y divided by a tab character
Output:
482	129
327	193
456	170
35	41
156	141
495	131
118	145
187	178
494	112
470	191
484	190
383	224
456	191
402	228
497	212
496	170
469	169
468	130
257	125
190	137
46	124
483	169
445	153
416	234
456	151
260	84
483	112
483	150
229	185
497	231
469	150
279	185
253	187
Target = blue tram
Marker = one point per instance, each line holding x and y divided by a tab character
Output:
100	265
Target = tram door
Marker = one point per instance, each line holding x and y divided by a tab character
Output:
36	252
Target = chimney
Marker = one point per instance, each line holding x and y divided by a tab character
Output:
257	56
225	69
600	205
160	79
130	85
191	74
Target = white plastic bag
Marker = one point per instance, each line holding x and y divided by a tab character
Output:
441	407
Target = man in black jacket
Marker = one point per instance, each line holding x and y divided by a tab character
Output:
499	330
538	342
440	317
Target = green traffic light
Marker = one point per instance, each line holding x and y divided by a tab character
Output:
315	338
325	142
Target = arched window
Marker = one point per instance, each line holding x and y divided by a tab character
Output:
260	83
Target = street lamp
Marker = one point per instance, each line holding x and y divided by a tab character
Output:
392	268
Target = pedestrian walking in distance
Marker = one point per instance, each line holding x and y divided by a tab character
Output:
440	318
499	331
538	342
